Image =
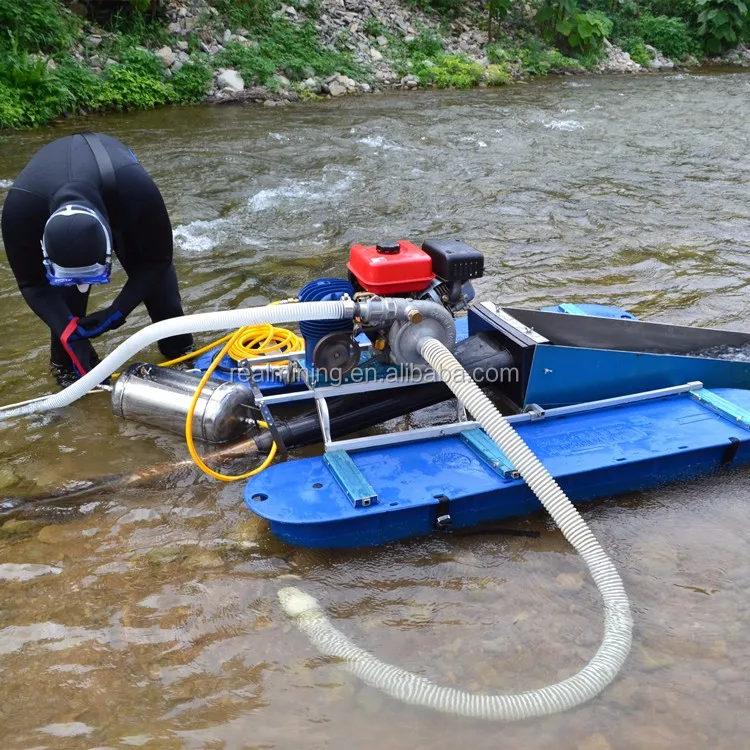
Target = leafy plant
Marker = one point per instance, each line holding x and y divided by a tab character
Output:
721	23
140	5
37	25
125	89
424	46
30	94
497	75
143	62
191	83
636	48
532	58
250	14
589	30
450	71
686	10
11	107
132	29
669	35
564	22
496	11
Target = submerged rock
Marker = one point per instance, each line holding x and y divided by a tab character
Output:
26	571
8	477
15	527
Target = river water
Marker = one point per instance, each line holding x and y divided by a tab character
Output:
158	626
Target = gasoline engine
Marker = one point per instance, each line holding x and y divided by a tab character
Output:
441	271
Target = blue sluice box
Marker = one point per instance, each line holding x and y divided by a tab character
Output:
592	450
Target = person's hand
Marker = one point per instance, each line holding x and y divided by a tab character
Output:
98	323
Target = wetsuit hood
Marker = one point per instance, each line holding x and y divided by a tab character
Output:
77	241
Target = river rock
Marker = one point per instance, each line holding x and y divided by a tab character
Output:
57	534
335	88
177	65
409	82
8	477
183	46
166	55
618	61
230	79
26	571
175	28
205	560
16	527
227	36
93	41
376	54
653	659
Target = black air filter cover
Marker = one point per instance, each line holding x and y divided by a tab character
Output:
453	260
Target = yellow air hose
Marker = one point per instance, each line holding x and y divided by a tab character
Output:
245	343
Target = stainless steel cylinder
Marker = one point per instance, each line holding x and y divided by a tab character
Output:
161	397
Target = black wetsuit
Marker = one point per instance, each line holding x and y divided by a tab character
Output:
66	171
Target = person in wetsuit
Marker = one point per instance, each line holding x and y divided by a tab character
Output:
81	199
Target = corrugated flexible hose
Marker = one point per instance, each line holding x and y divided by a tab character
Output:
214	321
416	690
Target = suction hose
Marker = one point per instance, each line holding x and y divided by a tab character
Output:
413	689
214	321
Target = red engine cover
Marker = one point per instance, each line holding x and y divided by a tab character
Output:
407	270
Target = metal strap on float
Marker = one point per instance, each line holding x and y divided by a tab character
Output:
724	408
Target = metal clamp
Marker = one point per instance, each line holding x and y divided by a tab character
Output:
535	411
443	518
260	402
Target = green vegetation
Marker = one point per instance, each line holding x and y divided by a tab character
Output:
563	23
671	36
284	47
36	26
531	58
450	71
42	79
722	23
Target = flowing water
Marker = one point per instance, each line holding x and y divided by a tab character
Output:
148	618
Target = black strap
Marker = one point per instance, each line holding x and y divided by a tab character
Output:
731	451
106	169
442	513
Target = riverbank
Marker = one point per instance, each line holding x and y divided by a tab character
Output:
61	59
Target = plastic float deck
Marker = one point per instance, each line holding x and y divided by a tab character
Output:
592	450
